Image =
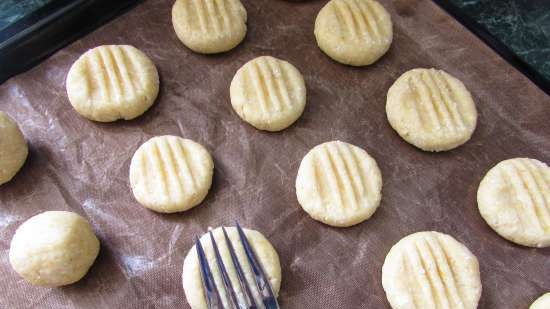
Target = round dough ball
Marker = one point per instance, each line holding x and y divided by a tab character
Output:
431	109
542	302
209	26
339	184
268	93
171	174
265	253
13	148
514	199
112	82
53	248
354	32
431	270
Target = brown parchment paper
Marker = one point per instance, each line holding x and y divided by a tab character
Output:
79	165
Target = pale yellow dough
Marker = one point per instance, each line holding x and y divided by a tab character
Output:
112	82
514	199
171	174
13	148
53	248
542	302
431	270
268	93
209	26
339	184
354	32
265	253
431	110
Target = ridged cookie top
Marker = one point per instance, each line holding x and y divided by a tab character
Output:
171	174
431	109
431	270
355	32
514	199
339	184
268	93
112	82
209	26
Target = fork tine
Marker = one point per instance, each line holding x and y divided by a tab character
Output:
250	301
212	295
264	287
226	281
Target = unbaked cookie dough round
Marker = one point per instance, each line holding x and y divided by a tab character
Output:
13	148
431	270
431	110
339	184
171	174
112	82
542	302
209	26
265	253
514	199
354	32
53	248
268	93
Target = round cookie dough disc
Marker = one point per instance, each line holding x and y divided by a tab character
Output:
112	82
339	184
171	174
431	110
354	32
265	253
13	148
514	199
268	93
209	26
542	302
53	248
431	270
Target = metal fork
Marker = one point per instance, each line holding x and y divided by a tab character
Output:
212	292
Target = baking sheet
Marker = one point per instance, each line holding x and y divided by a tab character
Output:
79	165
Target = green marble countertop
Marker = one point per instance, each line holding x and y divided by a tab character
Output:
13	10
521	25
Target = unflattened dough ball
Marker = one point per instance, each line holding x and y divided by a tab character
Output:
542	302
354	32
431	109
171	174
112	82
431	270
514	199
13	148
53	248
265	253
268	93
209	26
339	184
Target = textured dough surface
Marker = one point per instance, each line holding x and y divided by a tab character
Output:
431	109
514	199
112	82
170	174
53	248
265	253
431	270
209	26
268	93
13	148
354	32
339	184
542	302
